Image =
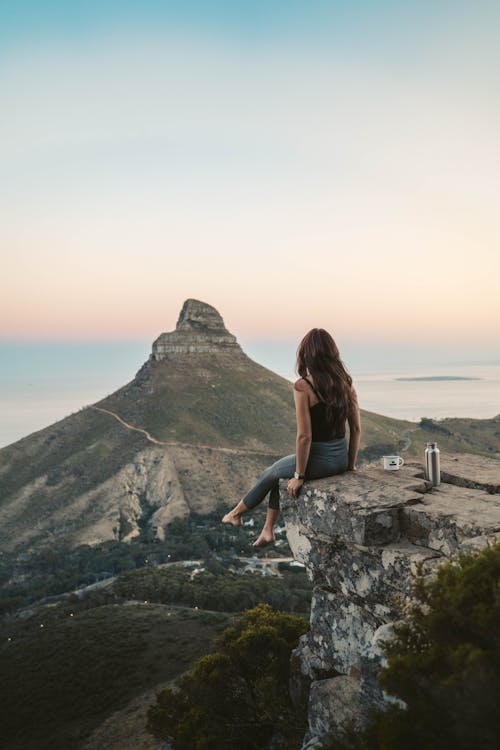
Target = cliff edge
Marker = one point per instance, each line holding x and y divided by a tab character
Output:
362	536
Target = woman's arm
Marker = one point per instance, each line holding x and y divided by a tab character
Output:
354	420
304	435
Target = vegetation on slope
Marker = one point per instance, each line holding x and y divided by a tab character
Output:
51	572
461	435
220	590
236	696
99	649
218	399
444	663
67	668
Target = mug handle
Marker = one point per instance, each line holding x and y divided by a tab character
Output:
401	461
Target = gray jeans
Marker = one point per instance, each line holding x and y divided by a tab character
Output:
325	459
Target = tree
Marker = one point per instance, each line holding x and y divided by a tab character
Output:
444	663
236	696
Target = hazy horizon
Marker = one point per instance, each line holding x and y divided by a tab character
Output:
364	355
43	382
292	164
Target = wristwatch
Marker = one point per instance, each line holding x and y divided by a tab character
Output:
298	476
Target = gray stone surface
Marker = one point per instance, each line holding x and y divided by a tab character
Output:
468	470
371	693
449	515
362	508
200	329
363	536
341	627
333	702
372	574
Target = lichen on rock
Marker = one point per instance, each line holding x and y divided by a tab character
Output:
362	537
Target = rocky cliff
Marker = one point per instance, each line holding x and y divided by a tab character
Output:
199	330
362	536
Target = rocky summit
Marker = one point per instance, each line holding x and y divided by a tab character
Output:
199	330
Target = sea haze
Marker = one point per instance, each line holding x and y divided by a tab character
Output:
40	382
435	391
43	382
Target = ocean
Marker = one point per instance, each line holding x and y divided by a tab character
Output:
41	383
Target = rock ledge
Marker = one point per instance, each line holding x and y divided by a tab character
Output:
362	536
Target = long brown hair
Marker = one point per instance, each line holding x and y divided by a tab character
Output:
319	354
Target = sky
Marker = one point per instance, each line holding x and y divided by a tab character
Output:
294	164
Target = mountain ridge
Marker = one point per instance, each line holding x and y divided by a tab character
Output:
190	431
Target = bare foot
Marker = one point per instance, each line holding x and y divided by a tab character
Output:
265	538
233	520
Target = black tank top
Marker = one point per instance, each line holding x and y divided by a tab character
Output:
321	429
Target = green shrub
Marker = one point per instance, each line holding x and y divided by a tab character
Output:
237	696
444	663
225	591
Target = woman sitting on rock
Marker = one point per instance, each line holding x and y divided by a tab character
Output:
324	401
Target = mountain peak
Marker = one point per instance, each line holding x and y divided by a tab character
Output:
199	330
200	317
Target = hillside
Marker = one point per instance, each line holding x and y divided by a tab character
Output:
192	430
83	674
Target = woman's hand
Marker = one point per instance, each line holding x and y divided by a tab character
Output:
294	486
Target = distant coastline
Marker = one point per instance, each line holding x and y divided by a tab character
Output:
42	382
438	377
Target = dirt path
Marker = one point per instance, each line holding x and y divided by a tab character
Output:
155	441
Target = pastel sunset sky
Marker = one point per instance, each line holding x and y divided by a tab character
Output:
291	163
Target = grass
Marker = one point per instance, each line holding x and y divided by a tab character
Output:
60	681
220	402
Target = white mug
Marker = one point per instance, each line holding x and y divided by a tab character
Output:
392	463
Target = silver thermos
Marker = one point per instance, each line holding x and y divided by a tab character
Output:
432	469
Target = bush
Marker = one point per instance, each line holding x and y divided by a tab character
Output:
224	591
444	663
237	696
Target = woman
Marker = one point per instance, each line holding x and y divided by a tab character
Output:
324	400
